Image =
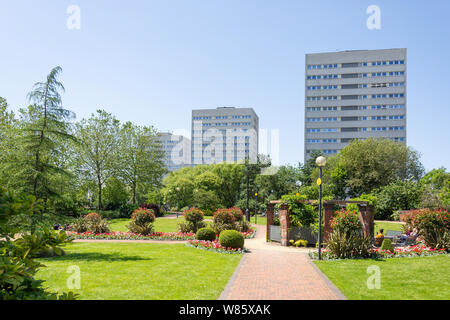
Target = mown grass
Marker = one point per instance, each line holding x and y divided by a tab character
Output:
386	225
160	224
421	278
140	271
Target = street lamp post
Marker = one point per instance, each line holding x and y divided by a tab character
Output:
247	211
298	184
256	208
320	161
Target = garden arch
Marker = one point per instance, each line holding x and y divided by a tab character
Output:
366	216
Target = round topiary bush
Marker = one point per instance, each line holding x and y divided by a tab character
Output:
387	245
231	239
206	234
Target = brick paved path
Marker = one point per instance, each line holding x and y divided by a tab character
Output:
277	273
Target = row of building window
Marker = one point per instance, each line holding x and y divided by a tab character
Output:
357	86
335	119
346	140
353	108
222	117
356	64
356	97
225	124
356	75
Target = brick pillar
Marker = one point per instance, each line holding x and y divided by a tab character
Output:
366	219
283	215
327	218
270	216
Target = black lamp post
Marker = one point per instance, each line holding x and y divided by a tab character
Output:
256	208
247	211
298	184
320	161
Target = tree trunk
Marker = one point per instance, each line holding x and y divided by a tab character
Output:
99	205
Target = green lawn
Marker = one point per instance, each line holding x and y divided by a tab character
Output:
260	220
386	225
401	278
141	271
160	224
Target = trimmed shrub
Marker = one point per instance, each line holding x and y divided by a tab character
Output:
142	221
231	239
433	226
194	221
387	245
206	234
225	219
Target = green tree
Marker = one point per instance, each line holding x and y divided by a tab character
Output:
45	127
373	163
398	195
97	154
141	159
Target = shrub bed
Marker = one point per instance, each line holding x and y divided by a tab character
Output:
213	246
131	236
433	226
420	250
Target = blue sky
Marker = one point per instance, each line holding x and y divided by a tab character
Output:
152	62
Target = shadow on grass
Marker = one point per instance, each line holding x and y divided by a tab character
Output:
95	256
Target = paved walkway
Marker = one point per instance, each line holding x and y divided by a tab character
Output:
273	272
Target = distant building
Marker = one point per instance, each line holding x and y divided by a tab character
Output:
177	149
354	95
225	134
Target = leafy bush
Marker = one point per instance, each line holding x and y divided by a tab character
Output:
142	221
399	195
95	223
92	222
301	214
231	239
126	210
115	194
344	246
152	206
93	216
42	243
347	222
433	226
206	234
225	219
299	243
79	225
387	245
17	269
194	221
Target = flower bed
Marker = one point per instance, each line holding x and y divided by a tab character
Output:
213	246
131	236
419	250
249	234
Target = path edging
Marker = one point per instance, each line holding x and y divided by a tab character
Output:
327	281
